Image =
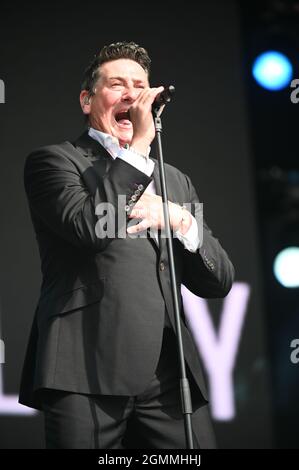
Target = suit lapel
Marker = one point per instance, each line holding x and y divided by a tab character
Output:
92	149
156	176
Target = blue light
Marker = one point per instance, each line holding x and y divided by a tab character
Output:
272	70
286	267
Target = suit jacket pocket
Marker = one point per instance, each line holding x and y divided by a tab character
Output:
52	305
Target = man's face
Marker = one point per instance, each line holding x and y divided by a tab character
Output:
119	85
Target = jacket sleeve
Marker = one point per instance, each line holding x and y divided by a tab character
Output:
58	195
208	272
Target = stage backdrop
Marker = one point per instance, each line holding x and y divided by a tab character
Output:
43	52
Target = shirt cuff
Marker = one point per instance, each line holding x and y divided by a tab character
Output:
140	162
191	238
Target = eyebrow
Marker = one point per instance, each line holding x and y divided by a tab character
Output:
123	79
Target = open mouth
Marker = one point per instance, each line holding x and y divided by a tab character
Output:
123	119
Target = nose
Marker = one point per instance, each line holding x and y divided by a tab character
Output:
130	94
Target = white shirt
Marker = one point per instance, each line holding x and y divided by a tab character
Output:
191	238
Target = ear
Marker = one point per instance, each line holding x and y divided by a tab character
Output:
85	101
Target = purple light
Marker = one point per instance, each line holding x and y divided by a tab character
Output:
218	350
9	404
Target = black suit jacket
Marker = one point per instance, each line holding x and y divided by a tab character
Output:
99	320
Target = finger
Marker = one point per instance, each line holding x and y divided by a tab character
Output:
157	91
139	227
139	204
150	95
137	213
143	96
148	198
154	93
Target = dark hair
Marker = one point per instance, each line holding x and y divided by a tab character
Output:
118	50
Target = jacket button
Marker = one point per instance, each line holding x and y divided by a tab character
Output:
162	266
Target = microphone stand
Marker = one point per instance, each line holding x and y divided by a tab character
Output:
184	383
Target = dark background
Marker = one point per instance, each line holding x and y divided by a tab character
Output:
219	129
268	25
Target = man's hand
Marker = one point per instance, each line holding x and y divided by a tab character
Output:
150	208
142	119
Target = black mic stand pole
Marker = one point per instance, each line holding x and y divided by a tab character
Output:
184	383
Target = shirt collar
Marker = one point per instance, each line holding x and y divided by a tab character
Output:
109	142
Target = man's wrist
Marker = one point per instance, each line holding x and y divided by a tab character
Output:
140	147
136	151
180	217
185	222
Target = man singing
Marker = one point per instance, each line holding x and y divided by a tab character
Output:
102	361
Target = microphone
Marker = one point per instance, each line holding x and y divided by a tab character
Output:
164	97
